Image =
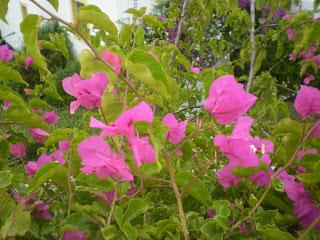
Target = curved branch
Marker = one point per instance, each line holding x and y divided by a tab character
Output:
253	46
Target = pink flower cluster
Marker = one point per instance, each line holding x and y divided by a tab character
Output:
113	59
87	92
18	149
39	208
176	128
6	54
227	100
304	207
32	166
307	101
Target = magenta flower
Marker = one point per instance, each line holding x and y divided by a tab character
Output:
41	210
98	157
6	54
225	176
308	79
176	128
316	130
87	92
287	17
18	150
113	59
58	155
228	100
123	125
51	117
27	91
211	213
74	235
143	151
307	101
6	105
291	34
28	61
195	70
304	208
292	57
31	168
38	134
301	154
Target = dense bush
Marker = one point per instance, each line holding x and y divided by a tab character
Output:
186	125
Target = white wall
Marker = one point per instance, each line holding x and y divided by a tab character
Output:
113	8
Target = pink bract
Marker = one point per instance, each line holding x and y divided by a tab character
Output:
27	62
113	59
75	235
6	54
195	70
97	157
87	92
38	134
18	149
143	151
176	128
51	117
308	79
307	101
227	100
291	34
6	105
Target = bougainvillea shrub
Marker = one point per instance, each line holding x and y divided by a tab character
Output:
168	145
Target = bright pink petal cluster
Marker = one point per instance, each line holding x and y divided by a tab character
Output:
51	117
307	101
38	134
32	166
113	59
28	61
241	149
18	149
87	92
308	79
195	70
304	208
97	157
6	54
176	128
124	125
228	100
291	34
6	105
41	210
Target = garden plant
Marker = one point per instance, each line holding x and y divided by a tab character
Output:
198	121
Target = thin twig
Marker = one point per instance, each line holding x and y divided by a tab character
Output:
183	221
309	228
115	196
69	184
253	46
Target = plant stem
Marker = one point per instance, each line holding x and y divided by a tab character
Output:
253	46
309	228
174	186
87	42
69	184
115	196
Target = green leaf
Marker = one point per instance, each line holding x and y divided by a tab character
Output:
5	178
29	27
7	94
221	207
90	65
39	103
313	177
143	74
51	171
92	14
111	104
24	116
126	36
139	37
54	3
4	9
212	230
130	232
118	215
18	222
109	232
136	207
57	43
247	172
135	12
272	232
8	74
197	190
